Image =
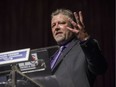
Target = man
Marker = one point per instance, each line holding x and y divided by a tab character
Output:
80	60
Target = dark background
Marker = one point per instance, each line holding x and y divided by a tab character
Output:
26	23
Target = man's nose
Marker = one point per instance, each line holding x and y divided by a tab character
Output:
57	27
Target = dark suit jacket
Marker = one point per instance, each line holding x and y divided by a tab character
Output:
79	64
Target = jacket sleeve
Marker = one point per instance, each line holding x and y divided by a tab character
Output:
95	60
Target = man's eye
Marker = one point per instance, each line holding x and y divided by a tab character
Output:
62	22
53	25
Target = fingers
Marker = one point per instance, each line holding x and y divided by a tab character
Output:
76	27
72	22
76	17
79	19
73	30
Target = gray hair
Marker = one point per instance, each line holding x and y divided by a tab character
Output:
66	12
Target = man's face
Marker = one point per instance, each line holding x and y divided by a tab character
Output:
59	24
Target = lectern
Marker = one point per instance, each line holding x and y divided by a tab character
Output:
26	64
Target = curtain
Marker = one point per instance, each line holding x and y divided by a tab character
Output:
26	23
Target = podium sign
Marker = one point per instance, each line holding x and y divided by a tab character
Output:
14	56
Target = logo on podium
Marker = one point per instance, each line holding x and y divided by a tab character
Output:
14	56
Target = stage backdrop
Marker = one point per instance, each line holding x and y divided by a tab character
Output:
26	23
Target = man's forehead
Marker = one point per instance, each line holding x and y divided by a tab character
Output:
60	17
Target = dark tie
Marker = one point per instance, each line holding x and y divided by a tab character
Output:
56	57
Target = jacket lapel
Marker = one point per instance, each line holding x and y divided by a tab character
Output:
65	52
